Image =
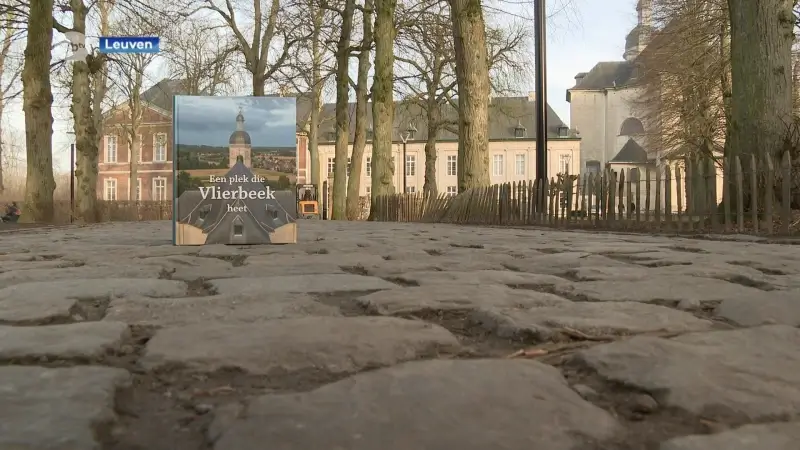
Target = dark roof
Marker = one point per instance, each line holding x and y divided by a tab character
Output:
505	114
161	93
239	137
631	152
606	75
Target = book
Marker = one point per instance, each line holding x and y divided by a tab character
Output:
235	169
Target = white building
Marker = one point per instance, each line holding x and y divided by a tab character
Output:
602	109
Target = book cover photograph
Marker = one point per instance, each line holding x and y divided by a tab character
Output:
235	168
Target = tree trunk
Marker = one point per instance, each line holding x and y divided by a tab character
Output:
430	189
258	84
86	139
37	101
383	100
360	138
136	147
342	113
316	98
472	74
88	158
761	65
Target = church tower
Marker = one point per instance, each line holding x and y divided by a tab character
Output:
639	37
239	145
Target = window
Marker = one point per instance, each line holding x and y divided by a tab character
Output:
563	131
452	190
111	189
331	167
410	189
519	131
631	127
497	165
452	165
238	229
138	189
592	166
563	163
111	149
411	165
159	189
369	189
160	147
519	165
349	163
369	166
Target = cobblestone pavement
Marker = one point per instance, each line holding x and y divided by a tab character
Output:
375	336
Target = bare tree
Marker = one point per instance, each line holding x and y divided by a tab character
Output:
311	68
280	33
340	166
426	73
10	71
37	101
684	79
362	97
472	74
384	32
86	100
203	57
129	71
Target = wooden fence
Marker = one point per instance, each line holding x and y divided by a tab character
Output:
685	196
114	211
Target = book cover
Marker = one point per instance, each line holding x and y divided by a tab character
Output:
235	169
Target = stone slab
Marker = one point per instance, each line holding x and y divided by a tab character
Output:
215	308
328	344
752	373
187	268
78	340
443	297
593	319
665	288
774	307
773	436
87	272
479	277
54	299
300	283
442	404
56	409
558	263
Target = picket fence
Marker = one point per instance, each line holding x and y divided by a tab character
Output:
682	196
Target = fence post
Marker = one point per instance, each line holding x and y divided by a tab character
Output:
754	192
727	173
647	194
658	196
620	195
786	192
668	195
679	197
712	194
739	194
769	193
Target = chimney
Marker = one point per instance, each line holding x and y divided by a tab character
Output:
531	96
580	77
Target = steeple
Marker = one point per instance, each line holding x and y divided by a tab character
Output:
639	37
240	121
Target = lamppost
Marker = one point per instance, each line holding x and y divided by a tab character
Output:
72	151
408	132
540	47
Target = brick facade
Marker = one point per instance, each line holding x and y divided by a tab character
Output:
155	166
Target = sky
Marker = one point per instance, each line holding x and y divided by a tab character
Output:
591	32
270	121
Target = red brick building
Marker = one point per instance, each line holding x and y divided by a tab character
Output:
155	176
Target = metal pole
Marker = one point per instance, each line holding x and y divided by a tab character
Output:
405	167
71	183
540	47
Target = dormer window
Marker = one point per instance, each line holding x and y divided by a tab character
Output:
519	130
331	135
563	131
370	134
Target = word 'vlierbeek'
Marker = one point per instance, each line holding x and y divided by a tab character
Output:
240	194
